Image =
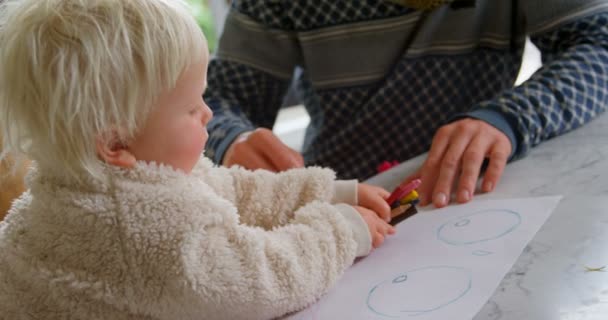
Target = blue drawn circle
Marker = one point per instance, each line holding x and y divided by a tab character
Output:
481	253
471	229
400	278
462	222
399	287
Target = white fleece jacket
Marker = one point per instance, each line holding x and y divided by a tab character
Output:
154	243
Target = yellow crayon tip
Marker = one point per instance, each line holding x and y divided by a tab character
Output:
409	198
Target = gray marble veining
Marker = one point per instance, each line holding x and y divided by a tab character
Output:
550	280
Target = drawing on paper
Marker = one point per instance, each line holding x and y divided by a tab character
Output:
402	295
438	266
479	227
481	253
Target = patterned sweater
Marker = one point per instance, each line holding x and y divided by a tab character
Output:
378	78
154	243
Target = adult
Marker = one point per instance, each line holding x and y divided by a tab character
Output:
387	80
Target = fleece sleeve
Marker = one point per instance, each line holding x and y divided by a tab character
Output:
270	199
252	273
228	270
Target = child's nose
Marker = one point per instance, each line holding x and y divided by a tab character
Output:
207	114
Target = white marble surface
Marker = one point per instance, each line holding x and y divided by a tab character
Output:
549	280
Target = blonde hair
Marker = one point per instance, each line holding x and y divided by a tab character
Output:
75	70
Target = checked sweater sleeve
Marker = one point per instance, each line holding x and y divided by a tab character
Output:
568	91
248	77
242	98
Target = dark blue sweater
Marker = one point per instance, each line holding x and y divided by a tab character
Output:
380	78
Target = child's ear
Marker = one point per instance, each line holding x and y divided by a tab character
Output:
113	152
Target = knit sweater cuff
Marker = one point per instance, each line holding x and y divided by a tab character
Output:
359	227
345	192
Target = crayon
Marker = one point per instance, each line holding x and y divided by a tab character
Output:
399	210
401	213
409	198
402	190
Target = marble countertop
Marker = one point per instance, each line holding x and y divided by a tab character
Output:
549	280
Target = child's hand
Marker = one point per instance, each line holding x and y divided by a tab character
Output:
378	228
374	198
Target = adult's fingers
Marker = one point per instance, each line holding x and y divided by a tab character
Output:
261	149
430	168
270	146
242	153
450	167
258	161
472	160
496	166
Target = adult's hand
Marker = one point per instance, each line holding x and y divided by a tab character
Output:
261	149
457	154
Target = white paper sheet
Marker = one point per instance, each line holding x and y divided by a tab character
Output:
441	264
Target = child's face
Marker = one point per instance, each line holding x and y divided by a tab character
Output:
175	132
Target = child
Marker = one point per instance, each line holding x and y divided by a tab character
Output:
122	218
